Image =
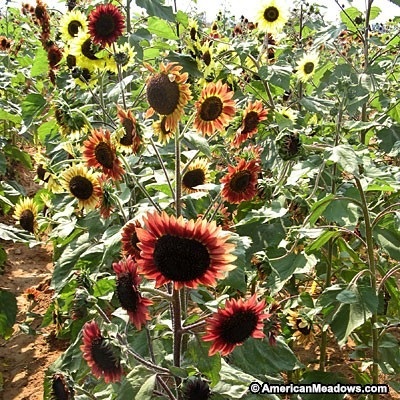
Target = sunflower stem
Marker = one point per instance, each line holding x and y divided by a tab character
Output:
156	292
85	392
217	197
178	176
166	388
128	16
120	78
177	330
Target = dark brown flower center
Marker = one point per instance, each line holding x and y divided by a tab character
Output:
105	25
134	241
103	356
207	58
196	390
129	127
194	178
73	28
271	14
308	67
87	50
211	108
162	94
290	146
121	58
304	330
27	220
104	155
60	389
127	294
193	33
239	326
250	122
81	187
240	181
41	173
181	259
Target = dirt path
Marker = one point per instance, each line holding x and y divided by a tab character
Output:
24	358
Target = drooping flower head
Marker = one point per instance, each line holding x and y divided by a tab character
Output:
106	203
164	134
83	185
128	294
100	153
240	183
303	328
130	139
306	66
25	213
215	108
62	387
196	389
168	93
231	326
196	174
188	253
106	24
100	354
71	24
130	239
289	145
272	16
253	115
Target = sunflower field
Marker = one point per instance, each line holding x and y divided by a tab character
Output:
221	197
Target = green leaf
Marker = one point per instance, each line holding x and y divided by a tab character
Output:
19	155
324	238
346	157
40	63
315	104
344	212
189	65
389	239
198	143
155	8
327	378
375	12
182	18
8	313
31	106
3	164
319	207
9	232
388	137
47	129
348	15
7	116
146	389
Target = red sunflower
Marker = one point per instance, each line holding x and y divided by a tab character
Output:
106	203
240	184
215	108
131	137
168	93
128	294
253	115
130	239
100	153
100	355
231	326
188	253
106	24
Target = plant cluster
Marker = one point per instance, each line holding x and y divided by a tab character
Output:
218	197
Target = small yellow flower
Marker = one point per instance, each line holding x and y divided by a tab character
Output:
306	66
272	16
25	213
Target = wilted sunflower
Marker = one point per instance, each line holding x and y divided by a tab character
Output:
188	253
129	139
106	24
289	146
253	115
231	326
196	389
272	16
128	294
130	239
215	108
100	354
306	66
168	93
164	134
62	387
100	153
106	203
302	326
83	185
196	174
240	183
71	24
25	213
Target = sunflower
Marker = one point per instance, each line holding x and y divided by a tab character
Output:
240	183
83	185
54	56
62	387
164	134
130	239
100	355
189	253
231	326
253	115
106	203
100	153
289	146
128	294
272	16
196	389
123	56
215	108
196	174
25	213
86	52
106	24
71	24
306	66
168	93
84	77
206	61
130	138
287	113
303	328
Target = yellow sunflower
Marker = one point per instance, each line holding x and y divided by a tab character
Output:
306	66
195	175
168	93
123	56
303	328
71	24
86	52
272	16
25	213
83	185
164	134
